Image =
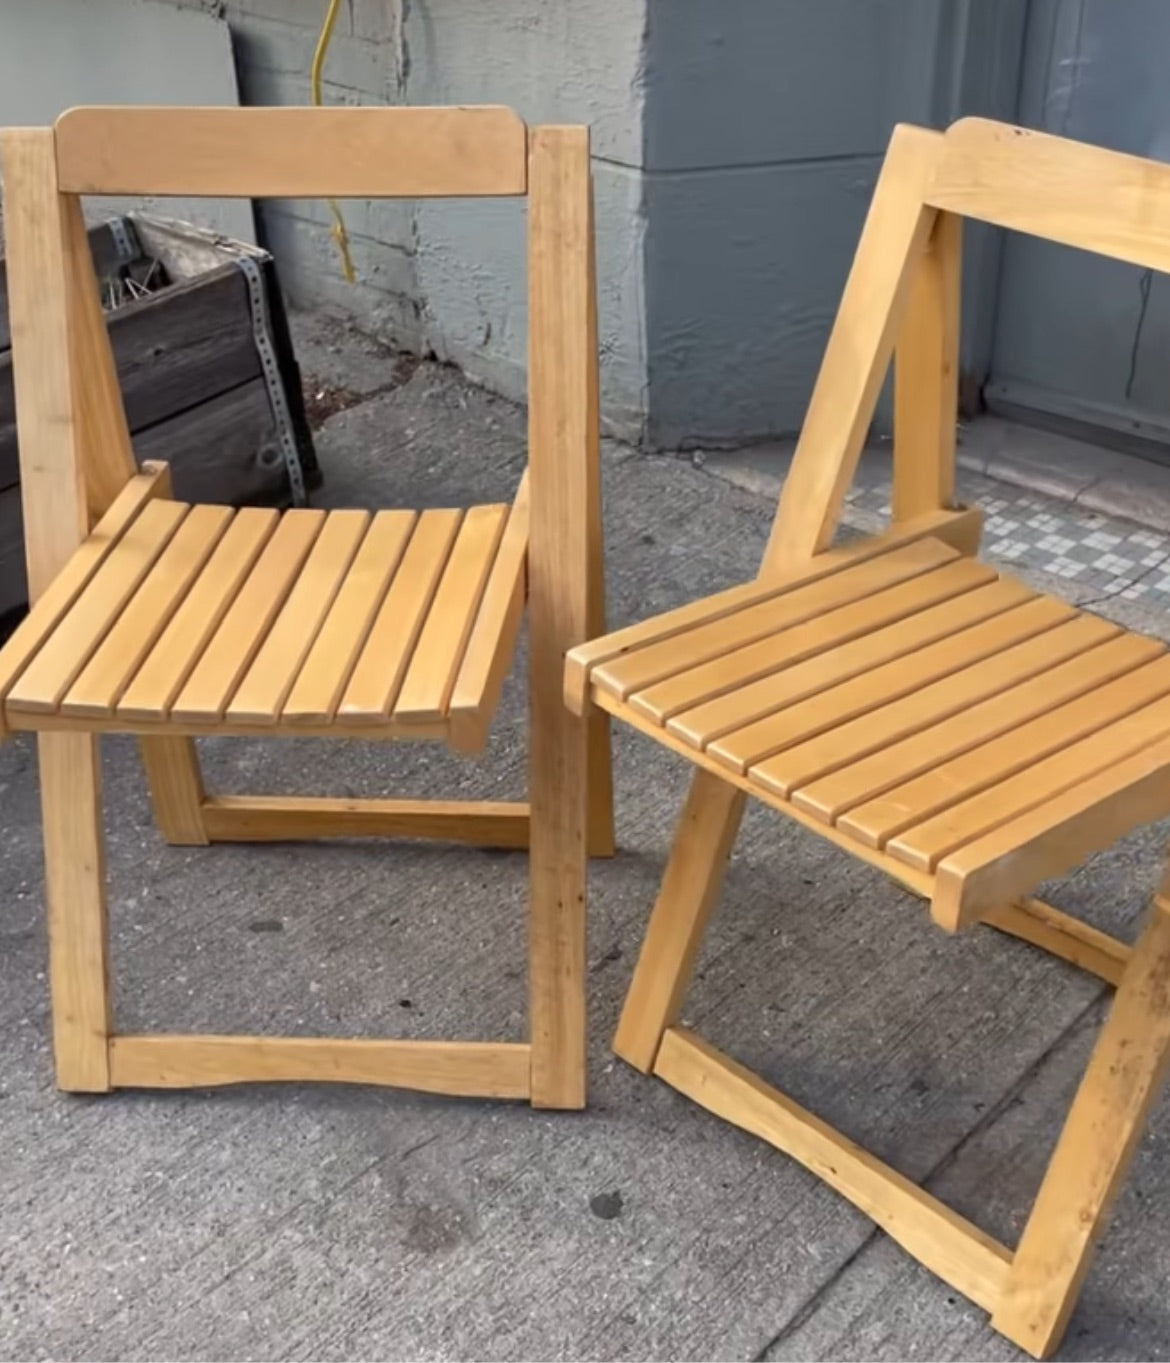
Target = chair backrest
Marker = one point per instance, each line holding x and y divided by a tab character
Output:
75	449
901	299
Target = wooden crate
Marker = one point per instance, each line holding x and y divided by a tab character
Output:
191	374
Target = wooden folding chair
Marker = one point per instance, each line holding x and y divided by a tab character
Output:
921	710
168	621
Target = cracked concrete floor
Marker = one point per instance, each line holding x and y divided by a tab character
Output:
268	1222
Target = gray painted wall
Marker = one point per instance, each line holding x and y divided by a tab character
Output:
765	129
449	276
736	144
81	56
1081	340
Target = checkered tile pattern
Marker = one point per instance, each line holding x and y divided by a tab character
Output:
1111	557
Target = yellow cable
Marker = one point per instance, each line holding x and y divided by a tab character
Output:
340	235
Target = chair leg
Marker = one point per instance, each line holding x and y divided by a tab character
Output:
75	890
1095	1148
176	789
694	874
558	829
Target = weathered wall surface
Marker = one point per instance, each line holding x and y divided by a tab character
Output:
450	276
765	129
736	145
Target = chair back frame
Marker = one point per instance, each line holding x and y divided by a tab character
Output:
76	458
901	300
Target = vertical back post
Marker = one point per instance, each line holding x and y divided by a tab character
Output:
858	353
926	377
103	437
56	518
563	443
52	485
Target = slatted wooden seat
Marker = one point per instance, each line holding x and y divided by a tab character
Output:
169	621
924	711
395	624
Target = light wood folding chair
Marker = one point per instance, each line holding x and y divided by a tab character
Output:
921	710
165	620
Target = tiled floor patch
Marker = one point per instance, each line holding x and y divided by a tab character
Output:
1111	557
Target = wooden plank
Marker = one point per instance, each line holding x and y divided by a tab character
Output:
1090	671
779	652
56	514
925	844
1078	195
42	685
857	357
153	690
126	644
176	789
64	589
915	881
926	377
434	665
1093	1155
106	257
1053	837
206	692
278	818
879	819
471	1069
886	724
492	644
179	348
261	694
373	686
75	894
1062	935
224	450
690	889
944	525
638	670
950	1246
378	729
173	350
886	683
334	654
103	436
292	153
713	719
563	453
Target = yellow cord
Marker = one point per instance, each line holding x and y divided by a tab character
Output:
340	235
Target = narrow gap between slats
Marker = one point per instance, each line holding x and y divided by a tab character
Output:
909	802
841	704
430	677
326	671
664	658
268	678
377	676
56	666
151	692
245	626
924	844
922	705
785	647
712	720
830	796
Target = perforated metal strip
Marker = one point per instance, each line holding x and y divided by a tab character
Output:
262	335
125	245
